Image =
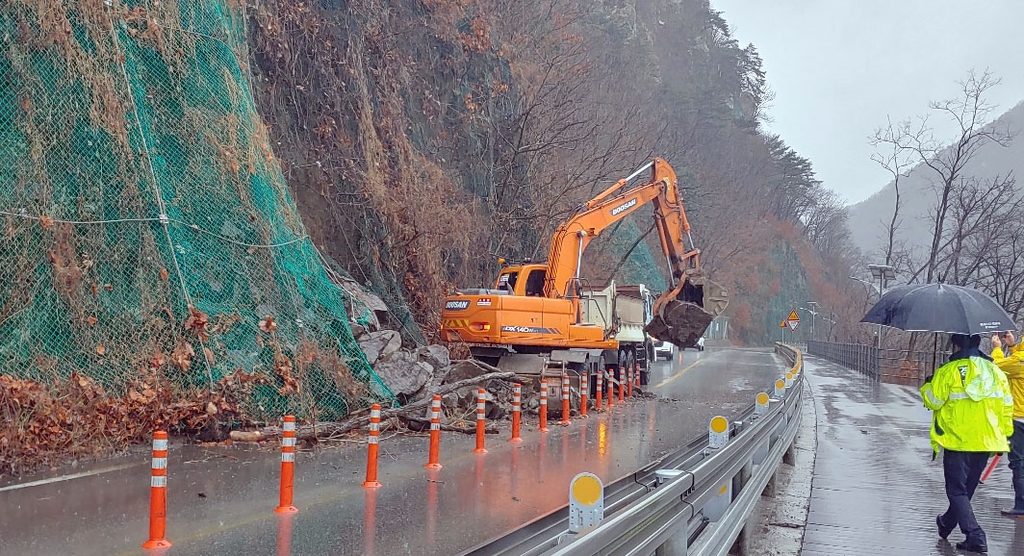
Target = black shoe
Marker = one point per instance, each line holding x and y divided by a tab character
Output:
943	531
971	547
1012	513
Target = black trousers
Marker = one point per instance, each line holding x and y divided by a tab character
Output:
962	471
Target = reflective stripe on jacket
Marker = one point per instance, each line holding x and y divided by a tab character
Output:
1013	366
972	405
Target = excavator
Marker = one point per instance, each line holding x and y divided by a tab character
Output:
536	312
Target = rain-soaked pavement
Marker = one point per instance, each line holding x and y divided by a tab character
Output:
875	488
220	500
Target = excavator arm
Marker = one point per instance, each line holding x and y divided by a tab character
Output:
682	313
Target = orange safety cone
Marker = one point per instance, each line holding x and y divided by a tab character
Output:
543	406
584	393
599	388
435	433
287	466
565	399
517	411
372	448
158	494
481	423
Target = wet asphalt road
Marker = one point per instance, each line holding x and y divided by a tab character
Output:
220	500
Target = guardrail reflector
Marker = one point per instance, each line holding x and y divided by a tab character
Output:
586	502
718	432
789	379
780	388
762	403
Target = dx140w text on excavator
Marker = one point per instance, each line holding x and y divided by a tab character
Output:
538	314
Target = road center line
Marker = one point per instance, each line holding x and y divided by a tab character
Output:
677	375
70	477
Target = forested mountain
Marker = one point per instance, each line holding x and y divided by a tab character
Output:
423	139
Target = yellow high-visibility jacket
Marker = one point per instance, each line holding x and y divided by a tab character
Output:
972	404
1013	366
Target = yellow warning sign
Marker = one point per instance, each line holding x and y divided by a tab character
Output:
783	324
793	316
793	320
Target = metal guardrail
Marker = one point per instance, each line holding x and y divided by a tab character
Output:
859	357
700	511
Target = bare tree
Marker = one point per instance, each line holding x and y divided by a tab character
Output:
896	160
970	112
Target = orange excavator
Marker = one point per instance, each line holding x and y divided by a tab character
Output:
537	314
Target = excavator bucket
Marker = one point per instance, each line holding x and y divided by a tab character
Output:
681	315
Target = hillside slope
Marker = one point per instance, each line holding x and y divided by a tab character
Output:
869	219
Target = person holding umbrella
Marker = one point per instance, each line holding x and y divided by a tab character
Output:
972	418
970	397
1011	361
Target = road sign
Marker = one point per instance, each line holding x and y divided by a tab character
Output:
793	320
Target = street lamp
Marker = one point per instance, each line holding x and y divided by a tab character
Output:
884	274
813	314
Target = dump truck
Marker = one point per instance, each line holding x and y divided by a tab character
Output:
539	315
626	311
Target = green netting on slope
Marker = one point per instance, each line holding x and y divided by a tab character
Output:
144	224
639	267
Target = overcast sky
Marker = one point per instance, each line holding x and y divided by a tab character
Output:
839	67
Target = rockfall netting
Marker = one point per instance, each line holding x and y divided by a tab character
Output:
145	227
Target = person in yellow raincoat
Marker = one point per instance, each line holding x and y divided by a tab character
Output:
972	417
1008	355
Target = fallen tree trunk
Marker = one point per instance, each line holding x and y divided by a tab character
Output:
324	430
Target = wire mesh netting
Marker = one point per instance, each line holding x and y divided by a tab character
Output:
146	226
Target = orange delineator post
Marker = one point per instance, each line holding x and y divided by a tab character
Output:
599	390
636	376
158	494
584	392
622	384
517	411
481	422
991	467
629	382
543	405
565	399
435	433
611	387
287	466
372	448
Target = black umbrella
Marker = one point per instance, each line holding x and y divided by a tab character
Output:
939	308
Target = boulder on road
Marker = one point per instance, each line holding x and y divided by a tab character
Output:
403	373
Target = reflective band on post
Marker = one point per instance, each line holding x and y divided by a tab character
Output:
289	426
372	440
158	481
159	463
288	441
287	457
159	444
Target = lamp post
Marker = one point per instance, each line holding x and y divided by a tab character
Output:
884	274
